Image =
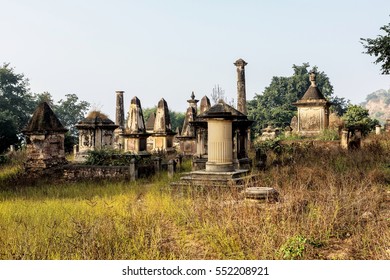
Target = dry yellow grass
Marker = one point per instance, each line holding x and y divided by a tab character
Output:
334	205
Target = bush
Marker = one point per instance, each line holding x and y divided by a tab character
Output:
294	248
109	158
3	159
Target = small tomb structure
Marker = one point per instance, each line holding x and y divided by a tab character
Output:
135	135
45	136
96	132
313	110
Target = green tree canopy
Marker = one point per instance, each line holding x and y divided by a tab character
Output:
176	118
15	96
380	48
274	105
358	117
8	131
16	105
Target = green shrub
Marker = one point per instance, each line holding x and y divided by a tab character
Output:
109	157
293	248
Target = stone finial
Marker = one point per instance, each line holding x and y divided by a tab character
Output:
193	102
240	62
312	78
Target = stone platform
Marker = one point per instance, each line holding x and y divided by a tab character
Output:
218	179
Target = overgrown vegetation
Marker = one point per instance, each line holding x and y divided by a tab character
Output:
333	205
109	157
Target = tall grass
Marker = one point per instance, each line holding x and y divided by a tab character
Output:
333	205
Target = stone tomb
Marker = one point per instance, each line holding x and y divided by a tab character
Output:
96	132
313	110
135	135
45	137
222	120
200	126
162	131
187	137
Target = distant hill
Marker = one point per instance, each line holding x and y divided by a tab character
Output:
378	105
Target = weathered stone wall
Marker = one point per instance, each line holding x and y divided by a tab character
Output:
131	172
45	151
77	172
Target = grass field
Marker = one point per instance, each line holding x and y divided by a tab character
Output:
334	205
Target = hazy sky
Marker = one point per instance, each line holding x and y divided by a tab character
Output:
154	49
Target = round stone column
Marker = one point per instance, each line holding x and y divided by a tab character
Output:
220	142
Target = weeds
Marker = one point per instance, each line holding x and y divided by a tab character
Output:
334	205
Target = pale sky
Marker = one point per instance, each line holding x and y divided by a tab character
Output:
167	49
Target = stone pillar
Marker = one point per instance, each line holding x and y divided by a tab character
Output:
157	164
377	129
220	142
171	168
344	139
119	120
241	93
133	170
120	114
75	150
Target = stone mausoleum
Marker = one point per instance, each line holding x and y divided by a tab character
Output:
187	138
96	132
313	110
135	135
162	135
45	137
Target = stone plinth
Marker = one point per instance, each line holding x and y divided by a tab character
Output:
213	179
261	194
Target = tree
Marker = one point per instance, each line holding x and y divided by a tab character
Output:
218	94
380	48
16	105
8	131
148	111
15	97
70	111
358	117
339	105
275	107
177	119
